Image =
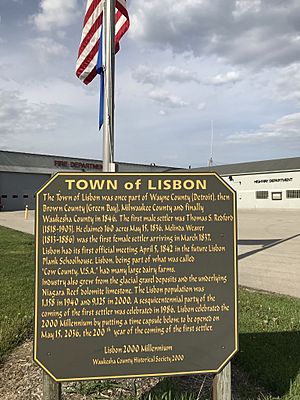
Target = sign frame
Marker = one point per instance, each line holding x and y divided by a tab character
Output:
235	275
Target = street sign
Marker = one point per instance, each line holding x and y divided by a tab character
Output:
135	275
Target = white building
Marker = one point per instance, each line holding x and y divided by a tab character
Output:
263	184
260	184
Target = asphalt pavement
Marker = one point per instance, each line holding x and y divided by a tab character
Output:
269	250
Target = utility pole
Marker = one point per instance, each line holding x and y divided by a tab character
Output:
210	161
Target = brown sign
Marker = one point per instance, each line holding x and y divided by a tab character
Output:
135	275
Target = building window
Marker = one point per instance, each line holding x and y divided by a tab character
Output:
262	194
293	194
4	196
25	196
15	196
276	195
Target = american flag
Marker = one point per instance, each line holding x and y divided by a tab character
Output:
89	45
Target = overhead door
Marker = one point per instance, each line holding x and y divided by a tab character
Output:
18	190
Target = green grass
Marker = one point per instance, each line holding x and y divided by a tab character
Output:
165	390
17	288
169	389
269	327
270	341
171	394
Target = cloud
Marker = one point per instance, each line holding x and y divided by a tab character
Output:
247	6
18	116
201	106
242	32
46	47
55	14
285	129
288	83
165	99
223	79
144	74
179	75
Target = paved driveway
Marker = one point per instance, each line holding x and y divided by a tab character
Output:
16	220
269	247
269	250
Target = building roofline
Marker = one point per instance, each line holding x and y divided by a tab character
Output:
251	167
85	159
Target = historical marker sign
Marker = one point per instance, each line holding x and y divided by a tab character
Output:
135	275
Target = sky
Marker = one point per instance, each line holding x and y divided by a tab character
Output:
181	65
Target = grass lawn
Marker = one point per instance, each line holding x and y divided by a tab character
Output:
269	324
269	348
17	288
270	341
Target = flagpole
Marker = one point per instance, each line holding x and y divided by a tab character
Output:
109	85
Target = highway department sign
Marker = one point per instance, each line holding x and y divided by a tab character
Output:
135	275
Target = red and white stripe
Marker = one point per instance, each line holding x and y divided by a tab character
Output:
89	45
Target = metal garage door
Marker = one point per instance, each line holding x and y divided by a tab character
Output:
18	190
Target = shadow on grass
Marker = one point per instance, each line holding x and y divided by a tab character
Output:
273	359
181	388
200	387
271	362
